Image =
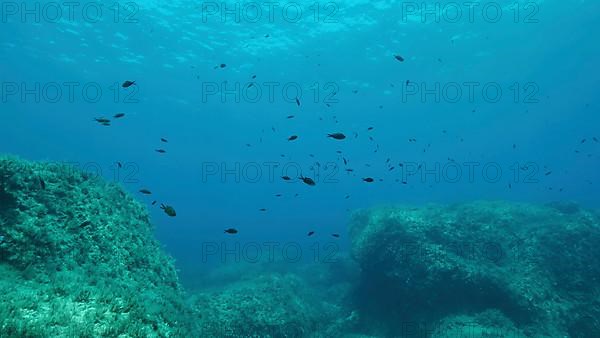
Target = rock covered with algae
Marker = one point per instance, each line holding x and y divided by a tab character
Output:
78	258
269	305
530	270
305	303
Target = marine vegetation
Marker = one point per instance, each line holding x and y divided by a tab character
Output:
530	270
78	259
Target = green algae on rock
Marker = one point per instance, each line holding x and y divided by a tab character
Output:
78	258
269	305
536	265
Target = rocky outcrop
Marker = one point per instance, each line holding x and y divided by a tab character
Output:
536	267
78	258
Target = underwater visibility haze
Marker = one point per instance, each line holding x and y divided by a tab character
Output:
299	169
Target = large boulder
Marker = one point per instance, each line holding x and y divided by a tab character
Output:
272	304
535	266
78	258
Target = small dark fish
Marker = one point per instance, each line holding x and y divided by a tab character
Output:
127	84
310	233
368	179
347	197
583	141
292	138
278	195
254	76
168	210
102	120
84	224
290	116
336	235
231	231
162	151
119	165
222	65
307	180
119	115
106	124
164	140
399	58
345	161
262	209
145	191
595	139
548	173
298	102
337	136
286	178
42	183
370	128
153	202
